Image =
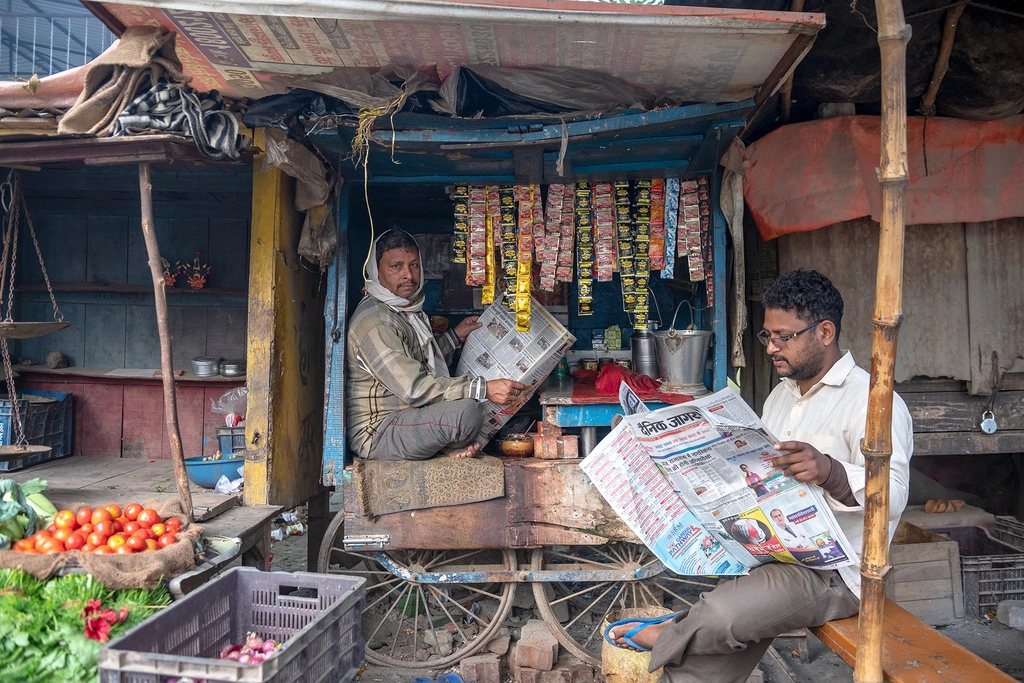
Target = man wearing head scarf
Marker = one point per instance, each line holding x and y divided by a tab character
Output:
400	401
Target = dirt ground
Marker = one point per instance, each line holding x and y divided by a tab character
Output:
996	643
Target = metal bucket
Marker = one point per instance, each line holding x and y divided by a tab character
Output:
682	357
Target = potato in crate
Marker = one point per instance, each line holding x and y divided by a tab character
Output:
316	616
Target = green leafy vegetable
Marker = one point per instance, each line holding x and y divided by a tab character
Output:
18	518
42	629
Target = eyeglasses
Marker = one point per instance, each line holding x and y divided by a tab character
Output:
781	342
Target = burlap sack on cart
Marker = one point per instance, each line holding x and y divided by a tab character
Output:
145	570
39	566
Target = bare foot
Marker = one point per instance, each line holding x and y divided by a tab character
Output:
644	638
469	451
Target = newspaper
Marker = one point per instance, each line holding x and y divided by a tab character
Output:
497	351
695	482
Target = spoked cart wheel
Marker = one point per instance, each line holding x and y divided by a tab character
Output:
425	609
574	610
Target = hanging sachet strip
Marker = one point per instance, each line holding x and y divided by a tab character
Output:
547	247
624	243
604	232
509	242
671	216
461	236
584	249
642	249
487	293
707	247
567	234
689	230
524	272
657	224
476	262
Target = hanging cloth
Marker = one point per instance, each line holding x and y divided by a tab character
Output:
412	308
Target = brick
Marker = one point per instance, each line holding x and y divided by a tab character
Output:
547	429
555	447
499	644
485	668
1011	613
526	675
756	676
564	672
537	648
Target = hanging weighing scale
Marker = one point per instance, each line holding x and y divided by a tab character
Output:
12	198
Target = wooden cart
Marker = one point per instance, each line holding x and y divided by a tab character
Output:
441	582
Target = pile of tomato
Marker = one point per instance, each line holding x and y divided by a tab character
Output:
104	531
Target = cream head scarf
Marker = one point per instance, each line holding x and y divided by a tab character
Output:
412	308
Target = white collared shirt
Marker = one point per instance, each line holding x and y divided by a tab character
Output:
832	416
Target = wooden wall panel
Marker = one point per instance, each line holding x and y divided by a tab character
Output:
932	339
187	327
141	338
191	405
62	240
99	410
69	341
995	259
226	332
229	240
105	333
107	249
142	431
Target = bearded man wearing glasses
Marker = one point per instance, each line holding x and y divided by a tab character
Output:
820	409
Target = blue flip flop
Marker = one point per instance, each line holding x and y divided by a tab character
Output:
641	624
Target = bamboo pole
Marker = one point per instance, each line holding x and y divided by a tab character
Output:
166	366
953	14
893	34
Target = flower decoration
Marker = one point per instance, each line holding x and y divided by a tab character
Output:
170	275
196	272
98	621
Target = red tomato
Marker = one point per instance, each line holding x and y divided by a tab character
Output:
88	548
62	533
84	516
124	549
148	518
75	541
159	529
52	545
87	528
65	519
137	543
104	527
173	524
116	540
24	545
131	527
97	539
39	537
151	544
118	526
131	512
166	540
103	550
114	509
101	515
51	528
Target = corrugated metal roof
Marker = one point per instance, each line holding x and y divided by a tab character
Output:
46	36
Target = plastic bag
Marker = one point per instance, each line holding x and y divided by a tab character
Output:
228	486
231	401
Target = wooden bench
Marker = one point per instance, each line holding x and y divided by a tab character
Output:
912	650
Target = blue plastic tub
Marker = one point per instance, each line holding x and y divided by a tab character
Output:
205	473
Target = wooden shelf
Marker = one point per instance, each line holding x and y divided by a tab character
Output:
124	289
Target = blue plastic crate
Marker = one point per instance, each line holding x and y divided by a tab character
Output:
46	423
230	439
